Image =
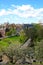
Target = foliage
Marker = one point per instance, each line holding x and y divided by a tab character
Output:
11	46
39	50
11	31
22	36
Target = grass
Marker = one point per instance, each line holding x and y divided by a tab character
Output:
7	41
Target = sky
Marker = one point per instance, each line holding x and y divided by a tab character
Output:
21	11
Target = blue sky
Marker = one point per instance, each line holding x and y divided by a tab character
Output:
21	11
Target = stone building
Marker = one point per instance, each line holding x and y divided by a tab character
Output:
2	32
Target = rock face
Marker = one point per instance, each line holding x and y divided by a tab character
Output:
19	61
26	44
4	60
23	61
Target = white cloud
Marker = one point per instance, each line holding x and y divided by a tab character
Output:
25	11
25	7
2	12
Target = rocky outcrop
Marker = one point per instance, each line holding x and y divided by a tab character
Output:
26	44
4	59
23	61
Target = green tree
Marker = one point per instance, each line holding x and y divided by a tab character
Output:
22	36
39	51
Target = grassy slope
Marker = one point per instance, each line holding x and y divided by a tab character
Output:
7	41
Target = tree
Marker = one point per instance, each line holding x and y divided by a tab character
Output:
11	31
22	36
39	51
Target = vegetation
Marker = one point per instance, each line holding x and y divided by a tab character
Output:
7	41
11	45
